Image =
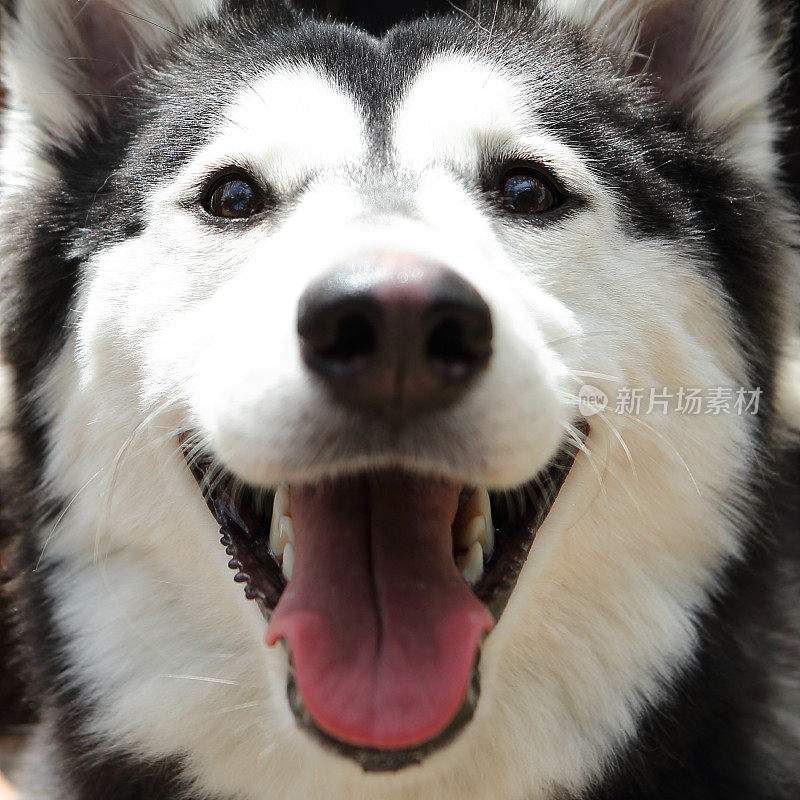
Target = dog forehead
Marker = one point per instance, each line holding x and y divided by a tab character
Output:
291	119
297	118
457	105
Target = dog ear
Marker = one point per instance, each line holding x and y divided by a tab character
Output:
68	60
711	58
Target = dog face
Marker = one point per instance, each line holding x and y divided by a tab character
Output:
359	287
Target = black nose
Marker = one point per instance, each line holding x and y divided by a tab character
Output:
395	336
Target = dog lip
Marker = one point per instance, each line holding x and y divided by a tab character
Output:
241	532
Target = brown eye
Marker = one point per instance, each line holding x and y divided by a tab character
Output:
234	197
525	191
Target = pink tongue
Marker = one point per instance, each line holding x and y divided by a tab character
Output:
382	628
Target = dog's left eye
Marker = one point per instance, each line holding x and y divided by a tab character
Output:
524	190
234	197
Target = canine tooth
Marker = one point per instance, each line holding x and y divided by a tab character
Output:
279	531
275	536
479	504
471	564
282	502
488	544
481	531
286	531
479	526
282	535
288	561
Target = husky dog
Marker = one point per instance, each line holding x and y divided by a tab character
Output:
474	344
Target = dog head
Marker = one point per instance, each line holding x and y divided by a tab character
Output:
410	321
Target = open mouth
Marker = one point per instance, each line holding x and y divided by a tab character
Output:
382	586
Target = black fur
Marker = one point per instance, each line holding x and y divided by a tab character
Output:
701	743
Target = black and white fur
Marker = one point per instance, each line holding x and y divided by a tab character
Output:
650	649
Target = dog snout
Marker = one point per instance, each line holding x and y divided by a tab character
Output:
395	336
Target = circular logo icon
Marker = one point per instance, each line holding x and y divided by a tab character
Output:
592	401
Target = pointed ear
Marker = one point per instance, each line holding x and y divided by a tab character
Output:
712	58
65	60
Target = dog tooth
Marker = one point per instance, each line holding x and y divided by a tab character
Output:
485	505
275	536
480	527
288	561
282	503
478	530
470	533
479	505
488	543
281	535
281	510
471	563
286	531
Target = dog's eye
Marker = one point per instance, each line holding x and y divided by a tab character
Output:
526	191
234	197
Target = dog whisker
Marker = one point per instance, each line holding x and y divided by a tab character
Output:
202	679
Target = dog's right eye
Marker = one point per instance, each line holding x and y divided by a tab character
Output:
526	191
234	196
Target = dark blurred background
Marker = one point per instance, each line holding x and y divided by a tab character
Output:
376	16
